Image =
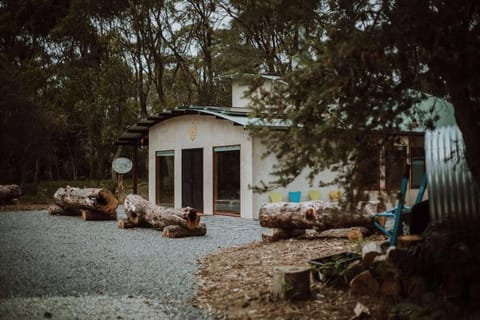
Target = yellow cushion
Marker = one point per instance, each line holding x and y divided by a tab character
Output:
335	195
276	196
314	194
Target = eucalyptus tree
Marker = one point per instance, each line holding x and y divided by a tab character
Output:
275	29
356	73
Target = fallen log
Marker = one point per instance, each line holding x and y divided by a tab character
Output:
56	210
125	224
94	215
140	211
353	233
95	199
320	215
9	193
174	231
275	234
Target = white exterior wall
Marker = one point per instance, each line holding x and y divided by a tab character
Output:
239	88
263	167
262	171
175	134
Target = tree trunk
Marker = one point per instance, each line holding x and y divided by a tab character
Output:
174	231
99	200
140	211
309	214
9	192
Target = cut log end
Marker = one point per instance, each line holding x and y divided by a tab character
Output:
125	224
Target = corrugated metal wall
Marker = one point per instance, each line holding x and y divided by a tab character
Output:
453	194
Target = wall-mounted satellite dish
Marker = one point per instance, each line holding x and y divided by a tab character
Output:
122	165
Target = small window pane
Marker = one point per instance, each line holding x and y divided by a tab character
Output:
165	178
395	160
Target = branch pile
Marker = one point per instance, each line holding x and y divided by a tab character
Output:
90	203
174	223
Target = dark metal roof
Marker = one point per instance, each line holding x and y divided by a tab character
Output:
137	134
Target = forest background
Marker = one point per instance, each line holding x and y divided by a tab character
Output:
75	73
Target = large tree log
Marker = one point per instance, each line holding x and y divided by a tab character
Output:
57	210
309	214
174	231
94	199
140	211
95	215
353	233
9	192
275	234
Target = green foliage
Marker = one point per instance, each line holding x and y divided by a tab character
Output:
355	79
75	73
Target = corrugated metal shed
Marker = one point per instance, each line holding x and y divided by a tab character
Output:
454	196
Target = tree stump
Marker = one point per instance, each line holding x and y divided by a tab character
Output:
291	282
364	284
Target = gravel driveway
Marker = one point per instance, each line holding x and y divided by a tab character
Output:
66	268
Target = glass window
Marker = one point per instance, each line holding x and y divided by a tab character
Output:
368	173
395	160
226	178
165	178
417	154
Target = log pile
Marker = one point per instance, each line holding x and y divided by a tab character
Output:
89	203
9	193
174	223
288	219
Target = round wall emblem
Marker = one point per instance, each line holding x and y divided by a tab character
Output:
122	165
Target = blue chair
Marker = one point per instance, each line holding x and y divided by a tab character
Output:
401	208
294	196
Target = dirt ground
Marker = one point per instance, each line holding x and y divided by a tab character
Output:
23	207
236	283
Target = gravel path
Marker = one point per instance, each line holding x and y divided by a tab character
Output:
66	268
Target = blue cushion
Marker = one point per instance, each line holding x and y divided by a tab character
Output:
295	196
